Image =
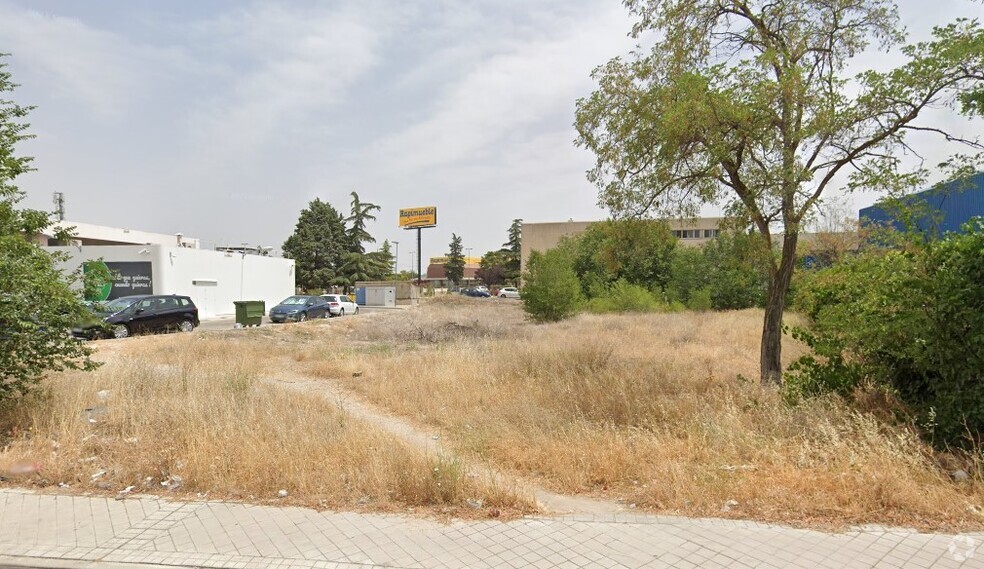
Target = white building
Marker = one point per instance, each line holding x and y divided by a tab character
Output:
173	264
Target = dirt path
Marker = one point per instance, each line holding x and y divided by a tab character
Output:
432	443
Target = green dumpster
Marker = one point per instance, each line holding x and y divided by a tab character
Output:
249	312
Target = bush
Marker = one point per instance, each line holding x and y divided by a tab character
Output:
727	273
625	297
551	290
638	251
700	300
911	319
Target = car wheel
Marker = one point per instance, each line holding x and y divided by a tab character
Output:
121	331
186	326
302	317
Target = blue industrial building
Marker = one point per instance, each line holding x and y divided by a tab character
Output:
939	211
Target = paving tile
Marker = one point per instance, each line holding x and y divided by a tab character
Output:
215	534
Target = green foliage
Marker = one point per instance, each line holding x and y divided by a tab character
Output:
37	305
739	274
551	291
824	370
362	267
729	272
515	242
623	296
700	300
357	233
689	273
317	247
637	251
511	251
383	262
911	319
454	268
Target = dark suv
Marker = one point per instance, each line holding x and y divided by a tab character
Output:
130	315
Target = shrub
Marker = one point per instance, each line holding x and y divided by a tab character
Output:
626	297
638	251
912	319
700	300
551	290
727	273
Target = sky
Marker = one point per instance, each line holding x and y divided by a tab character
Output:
222	120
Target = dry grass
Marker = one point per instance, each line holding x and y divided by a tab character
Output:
652	410
193	407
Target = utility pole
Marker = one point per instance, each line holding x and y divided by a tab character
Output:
396	259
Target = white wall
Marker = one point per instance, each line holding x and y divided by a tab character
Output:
222	277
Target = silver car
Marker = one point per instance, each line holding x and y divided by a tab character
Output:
340	305
508	292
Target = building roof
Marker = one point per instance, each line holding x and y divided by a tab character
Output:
89	234
939	210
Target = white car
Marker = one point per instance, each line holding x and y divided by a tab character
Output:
508	292
340	305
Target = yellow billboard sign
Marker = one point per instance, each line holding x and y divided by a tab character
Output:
414	217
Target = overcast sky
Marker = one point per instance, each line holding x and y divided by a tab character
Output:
223	119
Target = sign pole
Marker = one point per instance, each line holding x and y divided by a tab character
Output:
418	218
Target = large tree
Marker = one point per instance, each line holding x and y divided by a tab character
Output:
454	268
745	103
492	268
317	246
361	214
37	305
513	249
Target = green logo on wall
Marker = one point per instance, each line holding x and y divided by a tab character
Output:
102	290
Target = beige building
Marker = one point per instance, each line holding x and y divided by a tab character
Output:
544	236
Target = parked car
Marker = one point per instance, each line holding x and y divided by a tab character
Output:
340	305
476	293
508	292
129	315
299	308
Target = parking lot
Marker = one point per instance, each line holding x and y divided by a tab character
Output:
229	321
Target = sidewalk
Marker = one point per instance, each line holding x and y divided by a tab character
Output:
40	530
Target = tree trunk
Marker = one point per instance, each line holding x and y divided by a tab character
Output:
775	303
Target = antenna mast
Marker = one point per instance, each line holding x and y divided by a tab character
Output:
59	199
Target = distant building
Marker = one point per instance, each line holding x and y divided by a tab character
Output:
153	263
437	277
937	211
545	236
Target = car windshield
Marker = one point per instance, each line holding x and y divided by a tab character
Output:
294	300
118	304
330	298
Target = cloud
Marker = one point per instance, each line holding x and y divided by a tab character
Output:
95	70
283	67
501	97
